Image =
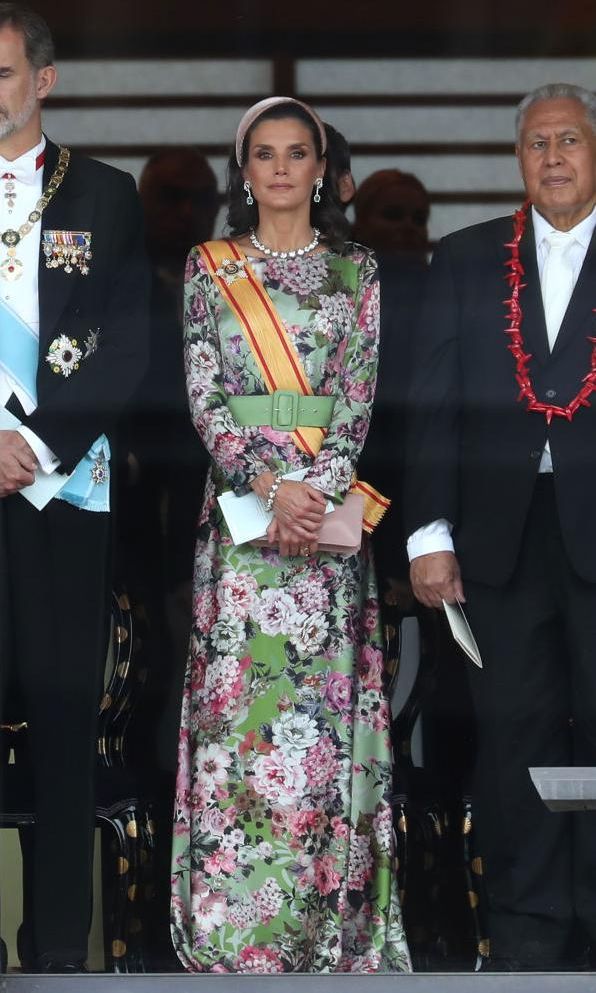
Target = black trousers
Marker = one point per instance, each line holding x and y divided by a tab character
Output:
535	703
54	623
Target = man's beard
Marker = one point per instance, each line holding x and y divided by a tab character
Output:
12	125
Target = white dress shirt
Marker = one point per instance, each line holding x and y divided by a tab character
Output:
436	536
22	295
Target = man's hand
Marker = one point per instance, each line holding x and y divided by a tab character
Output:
435	578
17	463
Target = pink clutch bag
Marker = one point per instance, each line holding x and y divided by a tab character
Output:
341	530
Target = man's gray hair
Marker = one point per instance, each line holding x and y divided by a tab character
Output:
557	91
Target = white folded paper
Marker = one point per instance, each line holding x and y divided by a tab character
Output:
46	485
246	516
565	787
461	631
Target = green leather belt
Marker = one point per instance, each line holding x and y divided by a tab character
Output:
284	410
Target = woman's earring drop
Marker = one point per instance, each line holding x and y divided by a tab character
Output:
317	195
249	196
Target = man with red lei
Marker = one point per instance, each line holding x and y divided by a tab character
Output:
501	511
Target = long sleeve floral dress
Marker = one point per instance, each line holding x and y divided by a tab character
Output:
283	846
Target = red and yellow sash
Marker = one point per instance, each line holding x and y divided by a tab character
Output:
272	350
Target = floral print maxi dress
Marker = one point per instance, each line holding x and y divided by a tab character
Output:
283	846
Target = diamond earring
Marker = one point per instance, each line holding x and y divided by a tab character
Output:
249	196
317	195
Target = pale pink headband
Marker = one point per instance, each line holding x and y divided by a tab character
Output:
259	108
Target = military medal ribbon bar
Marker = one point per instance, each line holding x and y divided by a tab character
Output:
71	249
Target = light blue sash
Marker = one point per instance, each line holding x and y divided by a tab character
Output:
82	489
89	485
19	350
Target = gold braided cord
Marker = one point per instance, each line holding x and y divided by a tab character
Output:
10	237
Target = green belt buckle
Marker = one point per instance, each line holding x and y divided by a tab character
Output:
285	408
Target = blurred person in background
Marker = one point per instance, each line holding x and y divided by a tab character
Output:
162	491
339	166
162	495
391	211
180	200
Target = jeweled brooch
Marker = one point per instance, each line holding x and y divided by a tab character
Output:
64	355
99	470
90	343
231	270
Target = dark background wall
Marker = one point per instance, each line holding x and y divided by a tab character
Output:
268	27
427	87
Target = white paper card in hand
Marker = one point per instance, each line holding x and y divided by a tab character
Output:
461	631
245	516
565	787
46	485
45	488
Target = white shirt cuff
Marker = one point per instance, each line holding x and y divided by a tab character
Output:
433	537
48	462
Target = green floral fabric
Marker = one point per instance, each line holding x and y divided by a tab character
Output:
283	843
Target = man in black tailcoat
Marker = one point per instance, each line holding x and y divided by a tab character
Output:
500	498
73	288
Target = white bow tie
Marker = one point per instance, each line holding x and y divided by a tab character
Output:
25	170
20	173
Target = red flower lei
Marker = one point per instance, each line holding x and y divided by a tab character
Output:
515	271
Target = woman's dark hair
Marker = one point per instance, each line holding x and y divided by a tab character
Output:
39	47
338	150
326	215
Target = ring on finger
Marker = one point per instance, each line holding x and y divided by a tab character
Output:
305	550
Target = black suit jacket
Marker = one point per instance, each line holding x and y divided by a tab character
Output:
112	300
473	450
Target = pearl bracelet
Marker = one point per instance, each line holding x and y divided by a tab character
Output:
273	492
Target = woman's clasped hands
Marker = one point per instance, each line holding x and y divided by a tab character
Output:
298	510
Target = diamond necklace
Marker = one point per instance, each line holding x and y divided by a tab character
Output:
291	254
12	268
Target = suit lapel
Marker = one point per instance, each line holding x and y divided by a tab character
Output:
533	322
583	300
62	213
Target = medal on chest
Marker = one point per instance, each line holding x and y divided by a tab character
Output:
71	249
11	267
10	192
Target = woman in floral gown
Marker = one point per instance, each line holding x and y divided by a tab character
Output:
283	846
